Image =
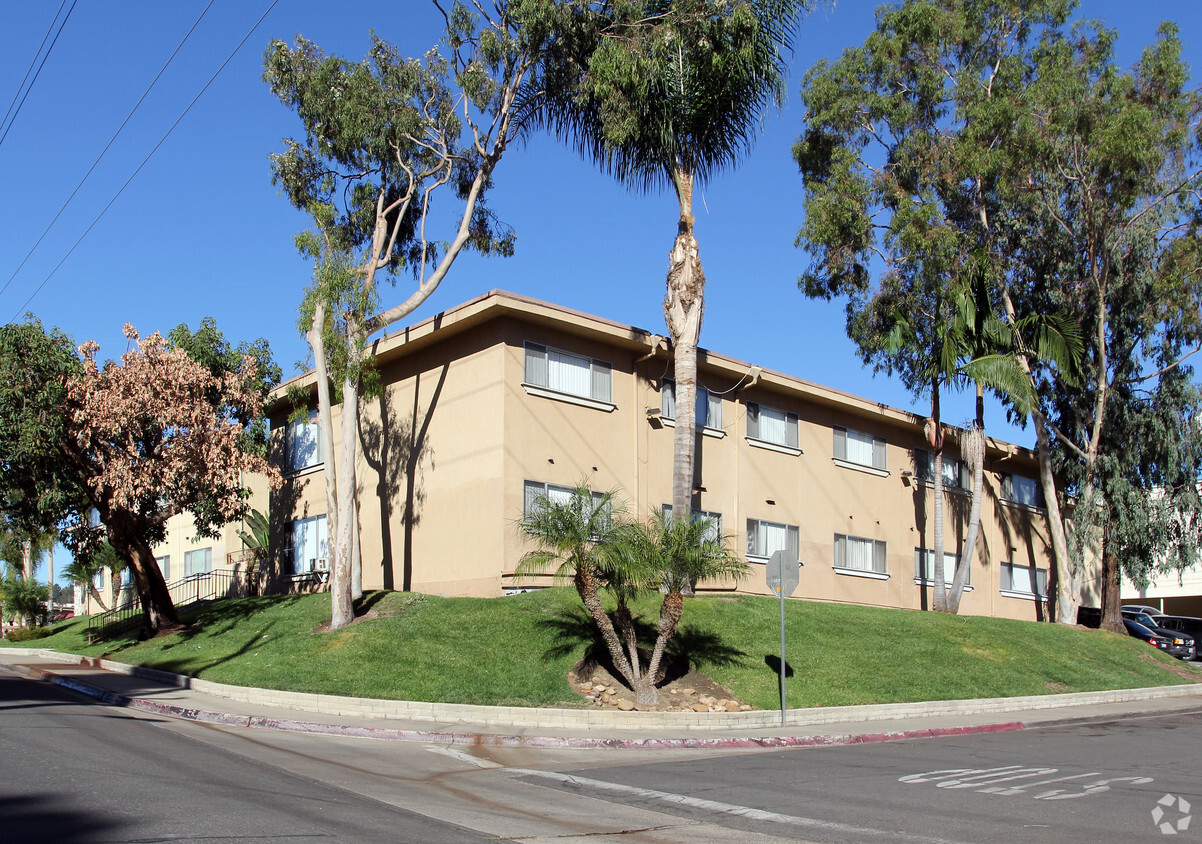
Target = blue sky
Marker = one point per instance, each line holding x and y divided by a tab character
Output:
201	231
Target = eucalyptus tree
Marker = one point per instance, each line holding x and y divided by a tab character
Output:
1107	162
384	139
666	94
899	136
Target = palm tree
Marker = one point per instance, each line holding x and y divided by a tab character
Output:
580	538
668	93
597	550
676	554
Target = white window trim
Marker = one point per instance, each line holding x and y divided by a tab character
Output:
308	470
957	490
1018	505
771	446
1030	596
860	467
706	430
919	581
871	575
569	398
758	558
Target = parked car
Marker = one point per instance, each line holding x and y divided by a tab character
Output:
1141	608
1183	624
1175	644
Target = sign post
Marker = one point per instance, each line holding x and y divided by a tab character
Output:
783	574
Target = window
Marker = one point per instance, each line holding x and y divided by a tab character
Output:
568	374
1024	581
854	450
856	554
164	566
766	538
536	491
924	567
197	562
1019	490
709	406
956	472
302	444
714	534
310	544
772	426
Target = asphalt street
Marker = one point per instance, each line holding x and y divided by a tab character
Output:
77	771
91	772
1091	782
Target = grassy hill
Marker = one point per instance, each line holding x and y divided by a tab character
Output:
518	650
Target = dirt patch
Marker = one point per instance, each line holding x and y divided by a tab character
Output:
1185	670
683	690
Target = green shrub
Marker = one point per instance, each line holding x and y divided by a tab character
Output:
25	634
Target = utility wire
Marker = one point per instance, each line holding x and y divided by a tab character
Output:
39	71
32	62
105	150
146	159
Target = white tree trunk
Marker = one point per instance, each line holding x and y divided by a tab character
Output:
972	448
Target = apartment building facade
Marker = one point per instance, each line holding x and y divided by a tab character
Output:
491	403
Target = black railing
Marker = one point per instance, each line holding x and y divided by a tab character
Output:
126	613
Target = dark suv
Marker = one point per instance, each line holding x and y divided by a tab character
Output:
1181	645
1182	624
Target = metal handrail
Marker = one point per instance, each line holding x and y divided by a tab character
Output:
202	586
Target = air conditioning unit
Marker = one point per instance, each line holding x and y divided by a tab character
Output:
320	564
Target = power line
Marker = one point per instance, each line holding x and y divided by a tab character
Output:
32	62
106	149
39	71
121	190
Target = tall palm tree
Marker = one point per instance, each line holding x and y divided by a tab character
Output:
667	93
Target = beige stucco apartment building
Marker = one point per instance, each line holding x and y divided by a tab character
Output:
494	401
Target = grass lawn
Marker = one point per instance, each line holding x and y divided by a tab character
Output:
518	650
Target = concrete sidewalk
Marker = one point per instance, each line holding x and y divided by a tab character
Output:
178	696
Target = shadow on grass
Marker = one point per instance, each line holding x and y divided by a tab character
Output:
574	629
773	662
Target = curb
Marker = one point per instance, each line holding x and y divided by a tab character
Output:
205	716
526	718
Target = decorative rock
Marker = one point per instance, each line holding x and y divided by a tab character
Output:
707	699
690	691
700	707
746	707
611	692
732	706
625	705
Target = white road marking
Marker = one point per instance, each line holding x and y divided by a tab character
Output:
858	832
986	781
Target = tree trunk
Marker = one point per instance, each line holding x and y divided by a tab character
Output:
670	612
1068	584
1112	584
935	436
325	420
342	611
586	587
684	304
972	448
356	560
158	609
